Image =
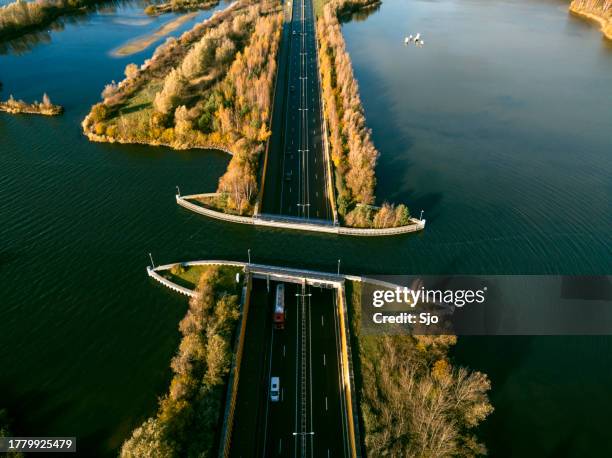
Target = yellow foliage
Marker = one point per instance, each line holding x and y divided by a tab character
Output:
441	370
168	135
111	131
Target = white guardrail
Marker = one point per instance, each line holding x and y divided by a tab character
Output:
288	274
167	283
183	201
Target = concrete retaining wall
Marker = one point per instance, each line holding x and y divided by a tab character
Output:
167	283
183	201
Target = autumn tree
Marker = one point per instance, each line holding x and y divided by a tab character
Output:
188	416
131	71
169	96
416	408
46	101
353	153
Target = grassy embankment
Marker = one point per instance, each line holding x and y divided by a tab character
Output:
414	402
187	276
210	88
599	11
353	153
318	6
188	420
45	108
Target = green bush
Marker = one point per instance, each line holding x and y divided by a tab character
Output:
99	112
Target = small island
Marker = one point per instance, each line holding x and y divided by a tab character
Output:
173	6
599	11
45	108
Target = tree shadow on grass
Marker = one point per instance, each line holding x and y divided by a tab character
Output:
134	108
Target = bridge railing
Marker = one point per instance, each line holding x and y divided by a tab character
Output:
183	202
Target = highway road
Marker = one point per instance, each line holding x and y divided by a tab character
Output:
296	172
309	420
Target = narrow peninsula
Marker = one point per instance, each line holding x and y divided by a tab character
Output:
174	6
353	153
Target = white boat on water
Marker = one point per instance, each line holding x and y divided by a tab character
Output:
416	39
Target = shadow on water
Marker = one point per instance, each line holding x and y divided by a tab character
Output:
42	35
18	406
430	201
26	43
358	15
499	358
96	443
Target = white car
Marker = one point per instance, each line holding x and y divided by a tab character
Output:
274	389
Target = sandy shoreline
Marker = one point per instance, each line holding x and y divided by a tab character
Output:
605	25
142	43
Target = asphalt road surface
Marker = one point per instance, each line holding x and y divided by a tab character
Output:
309	420
296	173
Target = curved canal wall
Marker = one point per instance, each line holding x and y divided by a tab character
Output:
281	223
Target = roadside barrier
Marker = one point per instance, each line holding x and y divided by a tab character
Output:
269	221
167	283
348	377
234	378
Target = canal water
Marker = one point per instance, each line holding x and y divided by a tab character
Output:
498	128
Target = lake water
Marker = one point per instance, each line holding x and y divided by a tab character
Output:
499	128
